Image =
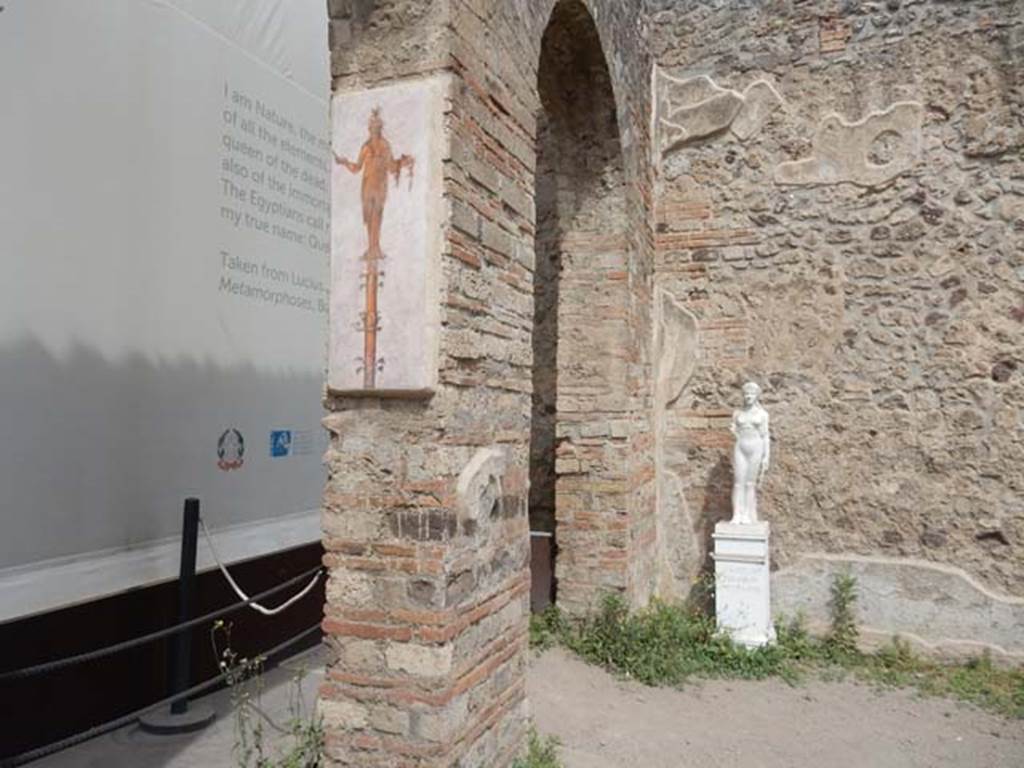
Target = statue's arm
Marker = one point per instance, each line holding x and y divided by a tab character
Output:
732	424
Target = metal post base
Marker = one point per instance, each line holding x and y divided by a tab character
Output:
165	722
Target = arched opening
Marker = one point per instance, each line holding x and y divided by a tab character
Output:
581	315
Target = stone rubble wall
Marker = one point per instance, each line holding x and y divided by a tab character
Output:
841	207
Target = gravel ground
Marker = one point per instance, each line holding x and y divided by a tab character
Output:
603	722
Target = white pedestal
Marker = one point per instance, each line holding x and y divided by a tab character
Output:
742	600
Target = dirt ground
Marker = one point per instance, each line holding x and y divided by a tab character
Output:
603	722
606	723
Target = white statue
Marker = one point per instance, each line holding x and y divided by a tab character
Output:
750	455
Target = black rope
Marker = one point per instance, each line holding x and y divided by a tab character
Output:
99	730
143	639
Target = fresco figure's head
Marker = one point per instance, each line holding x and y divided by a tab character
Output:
376	123
751	392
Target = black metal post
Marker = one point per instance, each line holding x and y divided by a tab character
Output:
181	650
181	719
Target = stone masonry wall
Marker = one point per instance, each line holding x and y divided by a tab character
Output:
868	269
424	513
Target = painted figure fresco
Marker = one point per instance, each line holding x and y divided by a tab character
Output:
376	161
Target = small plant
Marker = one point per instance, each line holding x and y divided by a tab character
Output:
794	637
547	629
668	644
701	598
843	637
976	680
302	737
541	752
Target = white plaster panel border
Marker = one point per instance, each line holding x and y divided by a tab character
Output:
694	107
940	608
677	353
842	150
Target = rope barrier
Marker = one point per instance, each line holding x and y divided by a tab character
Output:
143	639
111	725
238	590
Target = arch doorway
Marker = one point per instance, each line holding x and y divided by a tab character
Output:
582	341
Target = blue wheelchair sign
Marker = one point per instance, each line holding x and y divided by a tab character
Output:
280	443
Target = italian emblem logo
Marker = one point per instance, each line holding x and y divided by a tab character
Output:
230	450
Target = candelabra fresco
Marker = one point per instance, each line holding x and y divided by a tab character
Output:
387	212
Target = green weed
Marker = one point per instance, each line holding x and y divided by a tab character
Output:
664	644
547	628
843	636
667	644
541	752
301	738
977	681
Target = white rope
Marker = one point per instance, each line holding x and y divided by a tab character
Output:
238	590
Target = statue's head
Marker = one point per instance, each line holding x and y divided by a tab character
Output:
751	392
376	123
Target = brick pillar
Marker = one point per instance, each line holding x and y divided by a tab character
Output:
426	613
425	506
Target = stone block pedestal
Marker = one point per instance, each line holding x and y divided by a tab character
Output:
742	600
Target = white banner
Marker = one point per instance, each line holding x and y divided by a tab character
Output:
164	210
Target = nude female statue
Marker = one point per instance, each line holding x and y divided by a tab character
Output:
750	455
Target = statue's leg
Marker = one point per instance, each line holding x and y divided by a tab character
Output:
739	468
750	485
